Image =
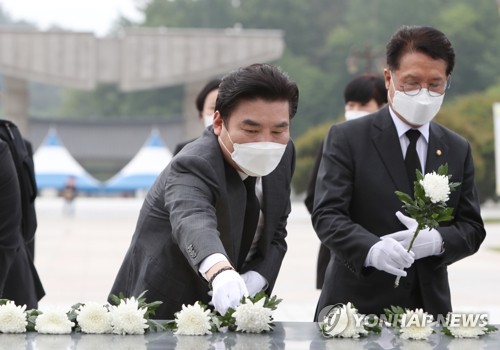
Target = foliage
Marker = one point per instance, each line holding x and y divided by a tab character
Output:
472	117
308	145
325	48
108	101
421	208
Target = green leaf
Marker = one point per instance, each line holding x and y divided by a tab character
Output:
116	299
443	169
490	328
403	197
170	325
373	325
155	326
31	318
446	331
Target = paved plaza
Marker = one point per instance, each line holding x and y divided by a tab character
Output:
78	257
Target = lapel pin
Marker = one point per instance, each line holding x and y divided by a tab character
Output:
438	152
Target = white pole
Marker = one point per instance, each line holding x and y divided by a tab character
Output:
496	123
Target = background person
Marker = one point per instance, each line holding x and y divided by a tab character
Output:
363	164
205	104
69	194
363	95
202	225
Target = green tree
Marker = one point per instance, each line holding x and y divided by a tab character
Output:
472	117
108	101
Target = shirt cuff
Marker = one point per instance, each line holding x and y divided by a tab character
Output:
210	261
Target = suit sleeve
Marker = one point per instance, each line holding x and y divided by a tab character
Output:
10	213
190	194
466	233
334	190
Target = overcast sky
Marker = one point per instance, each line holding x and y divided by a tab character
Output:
95	16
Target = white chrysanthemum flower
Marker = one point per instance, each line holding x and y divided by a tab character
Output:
348	323
253	317
193	320
53	322
456	326
13	318
94	318
128	318
436	187
416	325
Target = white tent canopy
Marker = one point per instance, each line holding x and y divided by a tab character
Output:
54	165
144	168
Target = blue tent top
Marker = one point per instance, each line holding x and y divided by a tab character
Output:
52	139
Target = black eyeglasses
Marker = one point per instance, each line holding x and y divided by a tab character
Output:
435	89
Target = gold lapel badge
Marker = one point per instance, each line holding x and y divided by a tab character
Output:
438	152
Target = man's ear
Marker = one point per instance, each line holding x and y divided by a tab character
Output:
217	125
387	78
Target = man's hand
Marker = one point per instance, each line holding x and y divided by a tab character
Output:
228	289
254	282
390	256
427	243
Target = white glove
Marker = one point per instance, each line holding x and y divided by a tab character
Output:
228	289
254	282
390	256
427	243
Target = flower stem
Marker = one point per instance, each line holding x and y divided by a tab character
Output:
417	231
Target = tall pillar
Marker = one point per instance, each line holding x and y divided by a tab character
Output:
16	101
192	125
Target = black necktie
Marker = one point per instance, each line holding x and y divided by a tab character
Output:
252	212
412	161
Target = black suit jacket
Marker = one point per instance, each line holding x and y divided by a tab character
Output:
361	168
194	209
19	280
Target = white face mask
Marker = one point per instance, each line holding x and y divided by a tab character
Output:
419	109
208	120
352	114
256	158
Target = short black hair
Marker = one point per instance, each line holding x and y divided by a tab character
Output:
256	81
365	87
202	95
423	39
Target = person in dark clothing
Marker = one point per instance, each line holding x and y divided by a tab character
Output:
19	280
363	95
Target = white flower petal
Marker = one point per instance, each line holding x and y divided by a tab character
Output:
436	187
253	318
94	318
12	318
193	320
53	322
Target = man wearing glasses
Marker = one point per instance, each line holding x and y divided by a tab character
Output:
365	161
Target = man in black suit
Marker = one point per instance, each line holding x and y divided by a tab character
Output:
19	279
196	231
363	164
